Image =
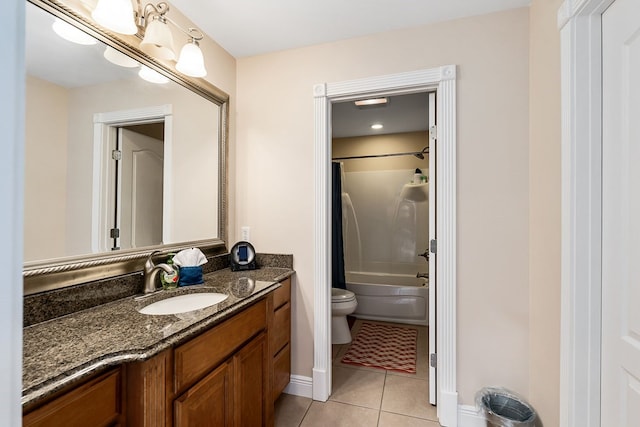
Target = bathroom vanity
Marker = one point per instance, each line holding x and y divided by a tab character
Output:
224	365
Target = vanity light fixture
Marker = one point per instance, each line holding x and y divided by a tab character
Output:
371	101
152	76
115	15
150	23
376	126
191	60
71	33
119	58
158	41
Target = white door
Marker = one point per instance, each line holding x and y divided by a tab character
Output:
620	391
432	256
141	190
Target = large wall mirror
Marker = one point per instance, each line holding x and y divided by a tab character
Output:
123	155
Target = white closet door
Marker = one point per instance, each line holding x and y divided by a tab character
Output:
621	215
141	186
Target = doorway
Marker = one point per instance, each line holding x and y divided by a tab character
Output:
385	150
137	176
441	80
120	215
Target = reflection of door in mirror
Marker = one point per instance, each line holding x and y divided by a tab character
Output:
138	175
75	98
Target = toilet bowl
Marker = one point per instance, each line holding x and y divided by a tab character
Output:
343	303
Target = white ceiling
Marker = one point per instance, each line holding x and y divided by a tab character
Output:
51	58
403	113
253	27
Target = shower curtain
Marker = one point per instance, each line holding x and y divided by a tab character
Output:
337	248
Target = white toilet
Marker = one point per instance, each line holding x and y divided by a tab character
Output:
343	302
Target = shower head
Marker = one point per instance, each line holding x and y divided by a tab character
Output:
420	154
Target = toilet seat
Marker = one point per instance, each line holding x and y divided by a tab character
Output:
341	295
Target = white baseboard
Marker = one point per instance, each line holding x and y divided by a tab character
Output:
300	386
470	416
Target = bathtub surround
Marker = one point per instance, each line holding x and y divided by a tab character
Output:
388	226
57	303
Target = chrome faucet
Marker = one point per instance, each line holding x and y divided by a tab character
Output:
422	275
151	272
425	254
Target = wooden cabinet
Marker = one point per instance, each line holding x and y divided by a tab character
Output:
229	375
209	402
95	403
279	338
232	395
251	384
218	378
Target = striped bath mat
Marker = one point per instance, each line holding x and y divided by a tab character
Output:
382	346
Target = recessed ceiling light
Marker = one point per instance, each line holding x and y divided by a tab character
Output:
376	126
371	101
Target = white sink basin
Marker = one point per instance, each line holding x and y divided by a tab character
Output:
183	303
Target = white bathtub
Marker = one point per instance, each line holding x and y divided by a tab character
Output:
398	298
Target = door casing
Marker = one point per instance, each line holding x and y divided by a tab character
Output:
580	23
443	81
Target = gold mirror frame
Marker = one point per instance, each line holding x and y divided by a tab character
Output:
54	274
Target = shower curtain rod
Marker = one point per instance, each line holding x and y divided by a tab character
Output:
418	154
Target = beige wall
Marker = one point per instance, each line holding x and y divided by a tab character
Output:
275	188
383	144
45	169
544	210
194	151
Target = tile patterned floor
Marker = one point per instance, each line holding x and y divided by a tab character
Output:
366	397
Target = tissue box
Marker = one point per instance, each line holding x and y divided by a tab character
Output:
190	276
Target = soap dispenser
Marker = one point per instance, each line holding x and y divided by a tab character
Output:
170	280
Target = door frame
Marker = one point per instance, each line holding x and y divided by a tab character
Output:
102	186
580	23
443	80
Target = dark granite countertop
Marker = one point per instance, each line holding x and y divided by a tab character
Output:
61	351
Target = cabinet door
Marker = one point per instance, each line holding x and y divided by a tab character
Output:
251	381
96	403
207	403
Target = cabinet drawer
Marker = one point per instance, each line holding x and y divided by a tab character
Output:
198	356
96	403
281	328
281	371
282	295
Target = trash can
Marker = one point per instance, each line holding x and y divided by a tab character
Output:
503	408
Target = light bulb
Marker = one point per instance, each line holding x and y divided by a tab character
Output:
158	41
119	58
115	15
71	33
152	76
191	60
